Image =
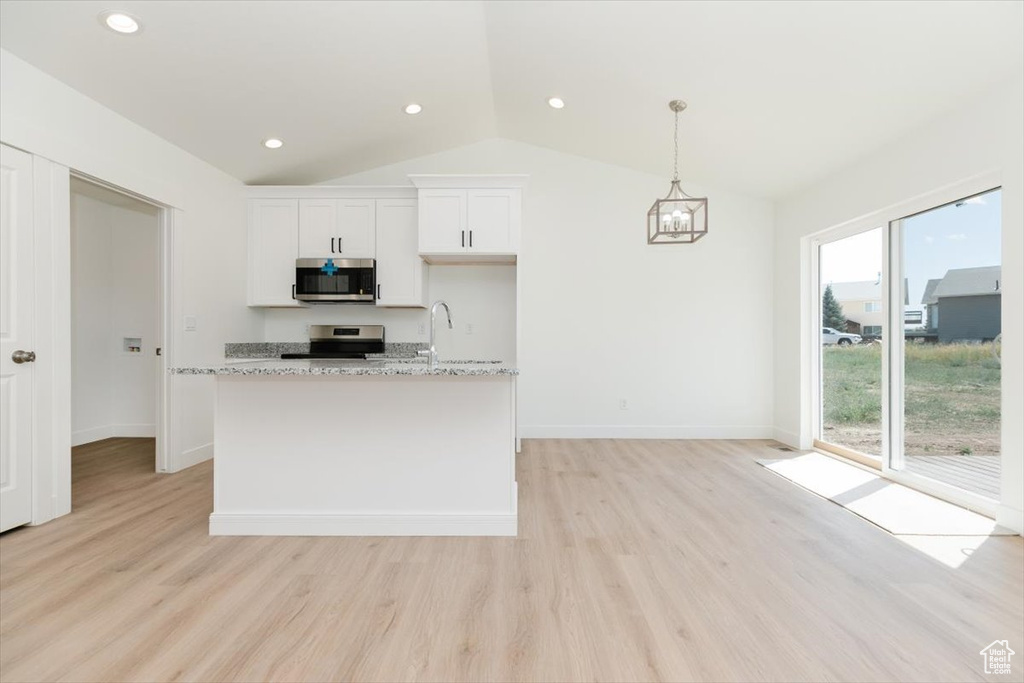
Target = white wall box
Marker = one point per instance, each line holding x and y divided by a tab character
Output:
336	228
273	248
469	219
401	273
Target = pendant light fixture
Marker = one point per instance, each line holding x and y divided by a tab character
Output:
678	218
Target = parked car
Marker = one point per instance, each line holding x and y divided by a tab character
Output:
830	336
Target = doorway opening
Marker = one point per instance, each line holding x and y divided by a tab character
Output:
906	373
117	373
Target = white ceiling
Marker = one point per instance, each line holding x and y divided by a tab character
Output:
780	93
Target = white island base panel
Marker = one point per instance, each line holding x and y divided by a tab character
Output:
364	456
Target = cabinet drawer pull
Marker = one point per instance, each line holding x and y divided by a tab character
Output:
378	291
340	249
463	238
332	245
471	239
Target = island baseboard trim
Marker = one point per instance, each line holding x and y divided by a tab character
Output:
234	524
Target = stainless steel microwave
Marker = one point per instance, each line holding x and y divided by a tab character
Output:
327	280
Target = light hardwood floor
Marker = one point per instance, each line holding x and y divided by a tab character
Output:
636	561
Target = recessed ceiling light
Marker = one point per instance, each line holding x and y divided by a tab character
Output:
273	143
413	108
120	22
556	102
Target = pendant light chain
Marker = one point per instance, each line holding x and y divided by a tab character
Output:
675	167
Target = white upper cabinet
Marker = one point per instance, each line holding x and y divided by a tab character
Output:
493	221
401	273
338	228
477	222
273	248
442	221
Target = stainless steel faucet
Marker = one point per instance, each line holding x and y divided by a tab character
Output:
431	353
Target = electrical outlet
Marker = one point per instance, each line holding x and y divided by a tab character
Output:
623	404
469	328
421	329
190	323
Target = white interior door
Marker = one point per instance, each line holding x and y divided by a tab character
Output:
16	337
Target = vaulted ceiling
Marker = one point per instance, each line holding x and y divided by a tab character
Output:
779	93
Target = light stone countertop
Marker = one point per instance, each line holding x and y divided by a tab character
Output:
383	367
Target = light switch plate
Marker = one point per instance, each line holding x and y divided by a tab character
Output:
190	323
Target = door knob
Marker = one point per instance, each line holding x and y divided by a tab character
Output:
20	356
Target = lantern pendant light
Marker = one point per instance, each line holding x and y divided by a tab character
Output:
678	218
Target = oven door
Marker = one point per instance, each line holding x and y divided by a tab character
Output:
341	280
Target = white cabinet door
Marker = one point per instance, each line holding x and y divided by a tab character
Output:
401	273
493	221
16	335
357	227
442	221
333	228
273	248
318	228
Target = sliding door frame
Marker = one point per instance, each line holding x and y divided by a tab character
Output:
893	341
836	234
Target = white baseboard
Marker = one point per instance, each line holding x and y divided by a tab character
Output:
643	432
789	438
235	524
85	436
192	456
1011	518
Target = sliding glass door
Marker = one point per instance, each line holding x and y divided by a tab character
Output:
850	298
906	372
946	387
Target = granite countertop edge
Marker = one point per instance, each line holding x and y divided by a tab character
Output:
380	370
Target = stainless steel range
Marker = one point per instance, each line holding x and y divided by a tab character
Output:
342	341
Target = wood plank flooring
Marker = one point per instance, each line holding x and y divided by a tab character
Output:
636	561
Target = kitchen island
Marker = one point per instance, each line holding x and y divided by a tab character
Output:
363	448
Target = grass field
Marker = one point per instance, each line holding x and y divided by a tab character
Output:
952	398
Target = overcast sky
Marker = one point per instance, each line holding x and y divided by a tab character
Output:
965	236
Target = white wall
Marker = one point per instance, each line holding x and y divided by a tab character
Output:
114	294
986	135
46	117
683	333
483	297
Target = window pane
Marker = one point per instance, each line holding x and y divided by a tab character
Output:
952	264
851	363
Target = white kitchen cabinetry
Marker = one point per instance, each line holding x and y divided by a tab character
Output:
468	225
401	273
493	221
273	248
337	228
442	221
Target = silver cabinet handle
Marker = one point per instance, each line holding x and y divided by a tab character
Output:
20	356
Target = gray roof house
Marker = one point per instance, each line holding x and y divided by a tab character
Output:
965	304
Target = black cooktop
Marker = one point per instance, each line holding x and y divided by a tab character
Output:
322	355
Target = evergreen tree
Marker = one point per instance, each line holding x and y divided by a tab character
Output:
832	312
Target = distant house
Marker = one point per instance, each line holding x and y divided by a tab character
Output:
931	305
965	305
862	306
